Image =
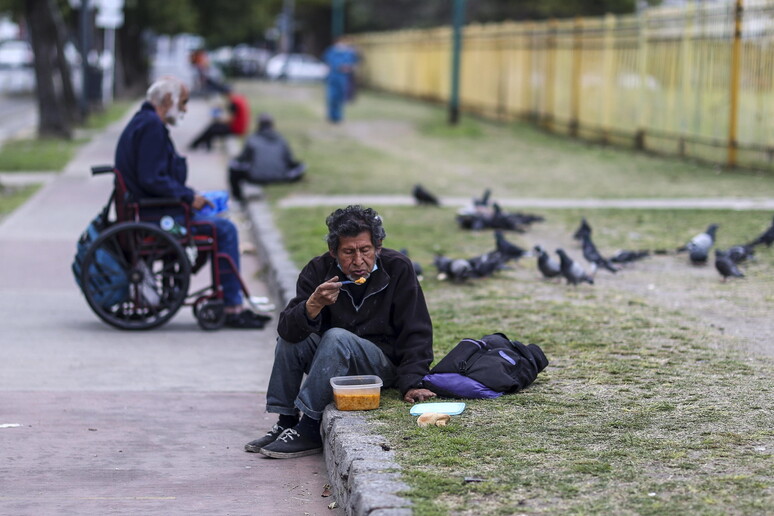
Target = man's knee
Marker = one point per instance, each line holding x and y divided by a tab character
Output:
338	341
338	334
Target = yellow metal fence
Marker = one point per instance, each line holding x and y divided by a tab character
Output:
694	81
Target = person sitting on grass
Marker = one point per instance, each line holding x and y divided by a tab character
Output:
381	327
236	121
265	158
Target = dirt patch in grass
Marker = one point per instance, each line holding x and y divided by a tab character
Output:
738	308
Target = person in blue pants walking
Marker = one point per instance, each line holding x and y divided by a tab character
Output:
341	59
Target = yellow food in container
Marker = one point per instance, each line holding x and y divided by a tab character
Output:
356	392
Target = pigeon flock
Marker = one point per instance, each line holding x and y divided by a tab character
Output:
483	213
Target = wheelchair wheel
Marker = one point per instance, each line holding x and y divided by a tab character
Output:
135	276
210	314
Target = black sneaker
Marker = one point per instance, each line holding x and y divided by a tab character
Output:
270	437
291	444
246	319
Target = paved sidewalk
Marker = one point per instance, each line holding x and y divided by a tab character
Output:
114	422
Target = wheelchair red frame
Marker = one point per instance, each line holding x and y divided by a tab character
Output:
154	266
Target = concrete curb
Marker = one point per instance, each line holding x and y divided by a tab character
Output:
363	473
362	467
26	178
281	273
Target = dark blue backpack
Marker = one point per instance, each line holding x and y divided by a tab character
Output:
486	368
108	281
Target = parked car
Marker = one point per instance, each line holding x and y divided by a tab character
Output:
17	75
296	67
247	61
15	53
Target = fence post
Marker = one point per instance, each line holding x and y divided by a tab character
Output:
575	78
548	115
644	108
454	97
608	72
527	75
686	51
736	50
502	71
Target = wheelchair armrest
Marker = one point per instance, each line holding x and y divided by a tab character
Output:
101	169
159	201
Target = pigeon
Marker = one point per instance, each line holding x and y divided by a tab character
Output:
417	267
454	269
423	197
740	253
502	220
473	220
460	269
725	266
591	254
767	237
625	256
698	256
583	229
484	201
572	271
699	246
509	250
547	266
526	218
480	214
486	264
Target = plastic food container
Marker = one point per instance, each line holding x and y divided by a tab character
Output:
356	392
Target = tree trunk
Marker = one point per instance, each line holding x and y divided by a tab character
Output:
131	63
69	97
52	113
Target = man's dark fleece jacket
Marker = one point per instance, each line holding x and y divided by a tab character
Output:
392	313
148	161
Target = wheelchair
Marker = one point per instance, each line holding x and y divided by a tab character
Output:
135	275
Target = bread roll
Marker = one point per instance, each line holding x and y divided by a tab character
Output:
433	418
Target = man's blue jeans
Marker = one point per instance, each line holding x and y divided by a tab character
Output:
337	352
228	243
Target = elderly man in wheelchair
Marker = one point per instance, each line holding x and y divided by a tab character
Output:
135	273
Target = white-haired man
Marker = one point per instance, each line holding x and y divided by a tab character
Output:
152	168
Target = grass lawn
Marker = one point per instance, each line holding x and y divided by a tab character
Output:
39	155
50	154
644	409
12	198
387	144
653	402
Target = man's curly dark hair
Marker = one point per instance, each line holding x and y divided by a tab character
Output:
350	222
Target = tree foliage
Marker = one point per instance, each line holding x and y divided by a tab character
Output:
376	15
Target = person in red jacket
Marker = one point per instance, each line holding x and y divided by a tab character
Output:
236	122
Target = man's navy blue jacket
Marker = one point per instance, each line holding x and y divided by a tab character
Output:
148	161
